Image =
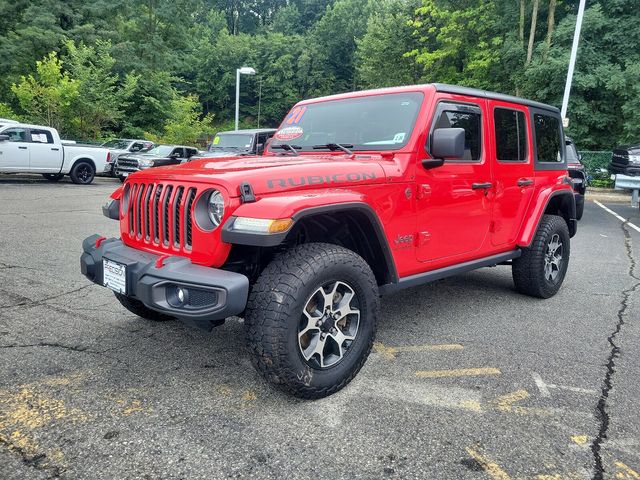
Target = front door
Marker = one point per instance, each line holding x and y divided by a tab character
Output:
44	155
454	200
513	170
14	153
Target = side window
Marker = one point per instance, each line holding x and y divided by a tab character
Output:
548	138
468	118
177	152
191	152
16	134
511	135
41	136
136	147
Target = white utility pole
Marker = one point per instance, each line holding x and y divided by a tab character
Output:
572	60
241	71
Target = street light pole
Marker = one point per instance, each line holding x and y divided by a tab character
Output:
241	71
572	60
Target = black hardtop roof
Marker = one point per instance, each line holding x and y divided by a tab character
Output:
475	92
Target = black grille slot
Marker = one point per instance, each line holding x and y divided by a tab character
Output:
156	213
147	213
165	216
132	203
188	220
177	217
139	211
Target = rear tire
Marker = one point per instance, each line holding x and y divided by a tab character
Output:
540	270
53	177
311	319
82	173
140	309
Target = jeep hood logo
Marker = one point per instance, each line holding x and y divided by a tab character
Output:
321	179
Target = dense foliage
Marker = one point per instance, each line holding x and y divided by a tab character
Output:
167	68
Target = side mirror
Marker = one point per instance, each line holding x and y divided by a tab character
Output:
4	138
447	143
260	148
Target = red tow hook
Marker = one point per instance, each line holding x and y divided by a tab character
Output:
160	261
99	241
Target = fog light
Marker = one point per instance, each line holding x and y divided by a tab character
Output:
181	294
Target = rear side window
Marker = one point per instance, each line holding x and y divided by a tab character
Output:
468	118
548	138
511	135
41	136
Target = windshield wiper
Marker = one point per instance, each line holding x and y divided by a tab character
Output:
336	146
285	146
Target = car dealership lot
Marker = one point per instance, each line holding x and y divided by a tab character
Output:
468	378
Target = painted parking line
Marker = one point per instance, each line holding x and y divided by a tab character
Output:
460	372
544	387
490	467
390	352
619	217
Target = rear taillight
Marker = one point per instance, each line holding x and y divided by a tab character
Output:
108	156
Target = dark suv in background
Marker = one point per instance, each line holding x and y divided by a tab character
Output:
158	156
578	175
239	142
625	160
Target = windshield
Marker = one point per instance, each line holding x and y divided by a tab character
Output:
160	151
377	122
116	144
231	140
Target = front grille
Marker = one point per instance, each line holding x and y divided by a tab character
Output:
620	157
160	214
127	165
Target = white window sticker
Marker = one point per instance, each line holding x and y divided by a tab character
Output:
399	137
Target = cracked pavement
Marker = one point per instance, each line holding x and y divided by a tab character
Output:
468	379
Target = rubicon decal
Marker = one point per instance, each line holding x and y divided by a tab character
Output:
320	179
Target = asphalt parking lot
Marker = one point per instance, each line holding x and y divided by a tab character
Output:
468	379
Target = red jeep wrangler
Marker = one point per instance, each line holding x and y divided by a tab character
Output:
359	195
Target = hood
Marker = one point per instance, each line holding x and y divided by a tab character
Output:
139	156
224	153
275	174
631	149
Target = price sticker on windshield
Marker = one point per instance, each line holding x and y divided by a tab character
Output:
289	133
216	140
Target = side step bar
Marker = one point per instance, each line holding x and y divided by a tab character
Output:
433	275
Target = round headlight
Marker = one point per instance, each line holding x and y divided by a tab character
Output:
216	207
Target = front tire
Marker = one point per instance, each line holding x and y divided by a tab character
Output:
82	173
140	309
311	319
540	270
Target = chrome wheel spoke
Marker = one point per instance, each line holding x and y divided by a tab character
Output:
328	324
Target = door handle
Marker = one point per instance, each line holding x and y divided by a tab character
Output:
22	148
525	182
55	149
481	186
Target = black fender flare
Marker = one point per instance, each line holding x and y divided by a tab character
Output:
274	239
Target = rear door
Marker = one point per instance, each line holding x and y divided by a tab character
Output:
513	170
44	155
453	201
14	153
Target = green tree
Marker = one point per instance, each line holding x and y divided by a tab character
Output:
381	59
184	125
100	98
48	96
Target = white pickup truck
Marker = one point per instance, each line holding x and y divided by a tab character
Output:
37	149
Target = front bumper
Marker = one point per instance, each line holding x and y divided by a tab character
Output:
211	294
